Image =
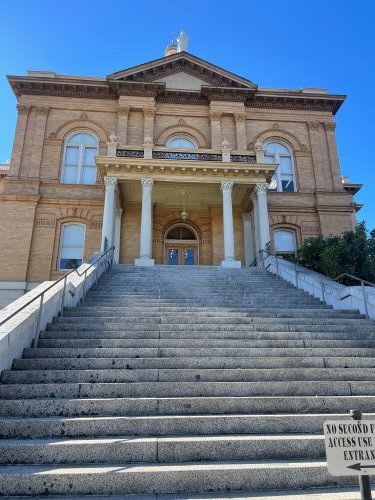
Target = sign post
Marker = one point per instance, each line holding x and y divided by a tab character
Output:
350	449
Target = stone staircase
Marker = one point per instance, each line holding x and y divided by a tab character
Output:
183	379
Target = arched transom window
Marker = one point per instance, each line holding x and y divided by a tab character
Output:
181	141
72	240
283	179
79	166
284	241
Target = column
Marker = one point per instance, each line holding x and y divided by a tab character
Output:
263	222
215	118
145	253
228	262
247	239
117	237
110	184
256	224
122	124
240	121
19	139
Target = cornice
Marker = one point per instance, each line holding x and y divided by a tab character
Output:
112	89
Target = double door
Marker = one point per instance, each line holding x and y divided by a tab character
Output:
181	254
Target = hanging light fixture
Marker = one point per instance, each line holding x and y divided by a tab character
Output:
183	214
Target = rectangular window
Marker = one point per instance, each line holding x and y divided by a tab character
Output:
71	247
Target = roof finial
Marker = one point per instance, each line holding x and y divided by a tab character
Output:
182	42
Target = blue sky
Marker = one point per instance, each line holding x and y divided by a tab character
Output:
287	44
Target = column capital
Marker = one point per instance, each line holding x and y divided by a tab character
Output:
227	186
41	110
313	125
147	183
330	125
215	115
261	187
239	116
23	109
149	112
123	110
110	182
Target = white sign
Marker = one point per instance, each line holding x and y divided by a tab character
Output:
350	447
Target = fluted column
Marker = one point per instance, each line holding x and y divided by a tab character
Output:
145	252
117	235
262	212
248	249
226	189
110	184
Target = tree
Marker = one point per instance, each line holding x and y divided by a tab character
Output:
353	252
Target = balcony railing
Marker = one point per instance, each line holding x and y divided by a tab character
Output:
185	155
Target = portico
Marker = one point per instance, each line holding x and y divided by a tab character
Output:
220	197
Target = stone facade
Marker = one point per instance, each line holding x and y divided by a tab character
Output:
135	112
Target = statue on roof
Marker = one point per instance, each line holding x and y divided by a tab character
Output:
182	42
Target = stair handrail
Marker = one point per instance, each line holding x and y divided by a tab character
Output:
326	284
102	259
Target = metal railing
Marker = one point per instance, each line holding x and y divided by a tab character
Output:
327	285
105	260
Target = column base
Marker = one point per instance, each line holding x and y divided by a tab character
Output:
144	262
230	264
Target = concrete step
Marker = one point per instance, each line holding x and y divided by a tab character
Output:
207	335
182	425
191	363
165	327
186	375
175	389
121	449
198	352
166	478
201	343
82	406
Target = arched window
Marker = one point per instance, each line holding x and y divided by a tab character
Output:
181	141
283	179
72	241
180	233
78	165
284	241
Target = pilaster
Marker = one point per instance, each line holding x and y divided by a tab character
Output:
19	139
240	121
38	141
122	124
215	118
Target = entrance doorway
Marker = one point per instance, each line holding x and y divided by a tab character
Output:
181	246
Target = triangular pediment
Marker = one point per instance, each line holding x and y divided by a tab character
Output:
182	71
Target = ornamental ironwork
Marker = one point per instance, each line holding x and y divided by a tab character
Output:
130	153
243	158
179	155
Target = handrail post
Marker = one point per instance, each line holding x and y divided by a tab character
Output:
63	296
365	299
322	284
37	331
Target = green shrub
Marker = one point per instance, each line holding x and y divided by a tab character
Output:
353	252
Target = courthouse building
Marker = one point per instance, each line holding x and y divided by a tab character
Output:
175	161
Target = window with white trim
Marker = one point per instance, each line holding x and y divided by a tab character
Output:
283	179
78	165
284	241
180	141
72	242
